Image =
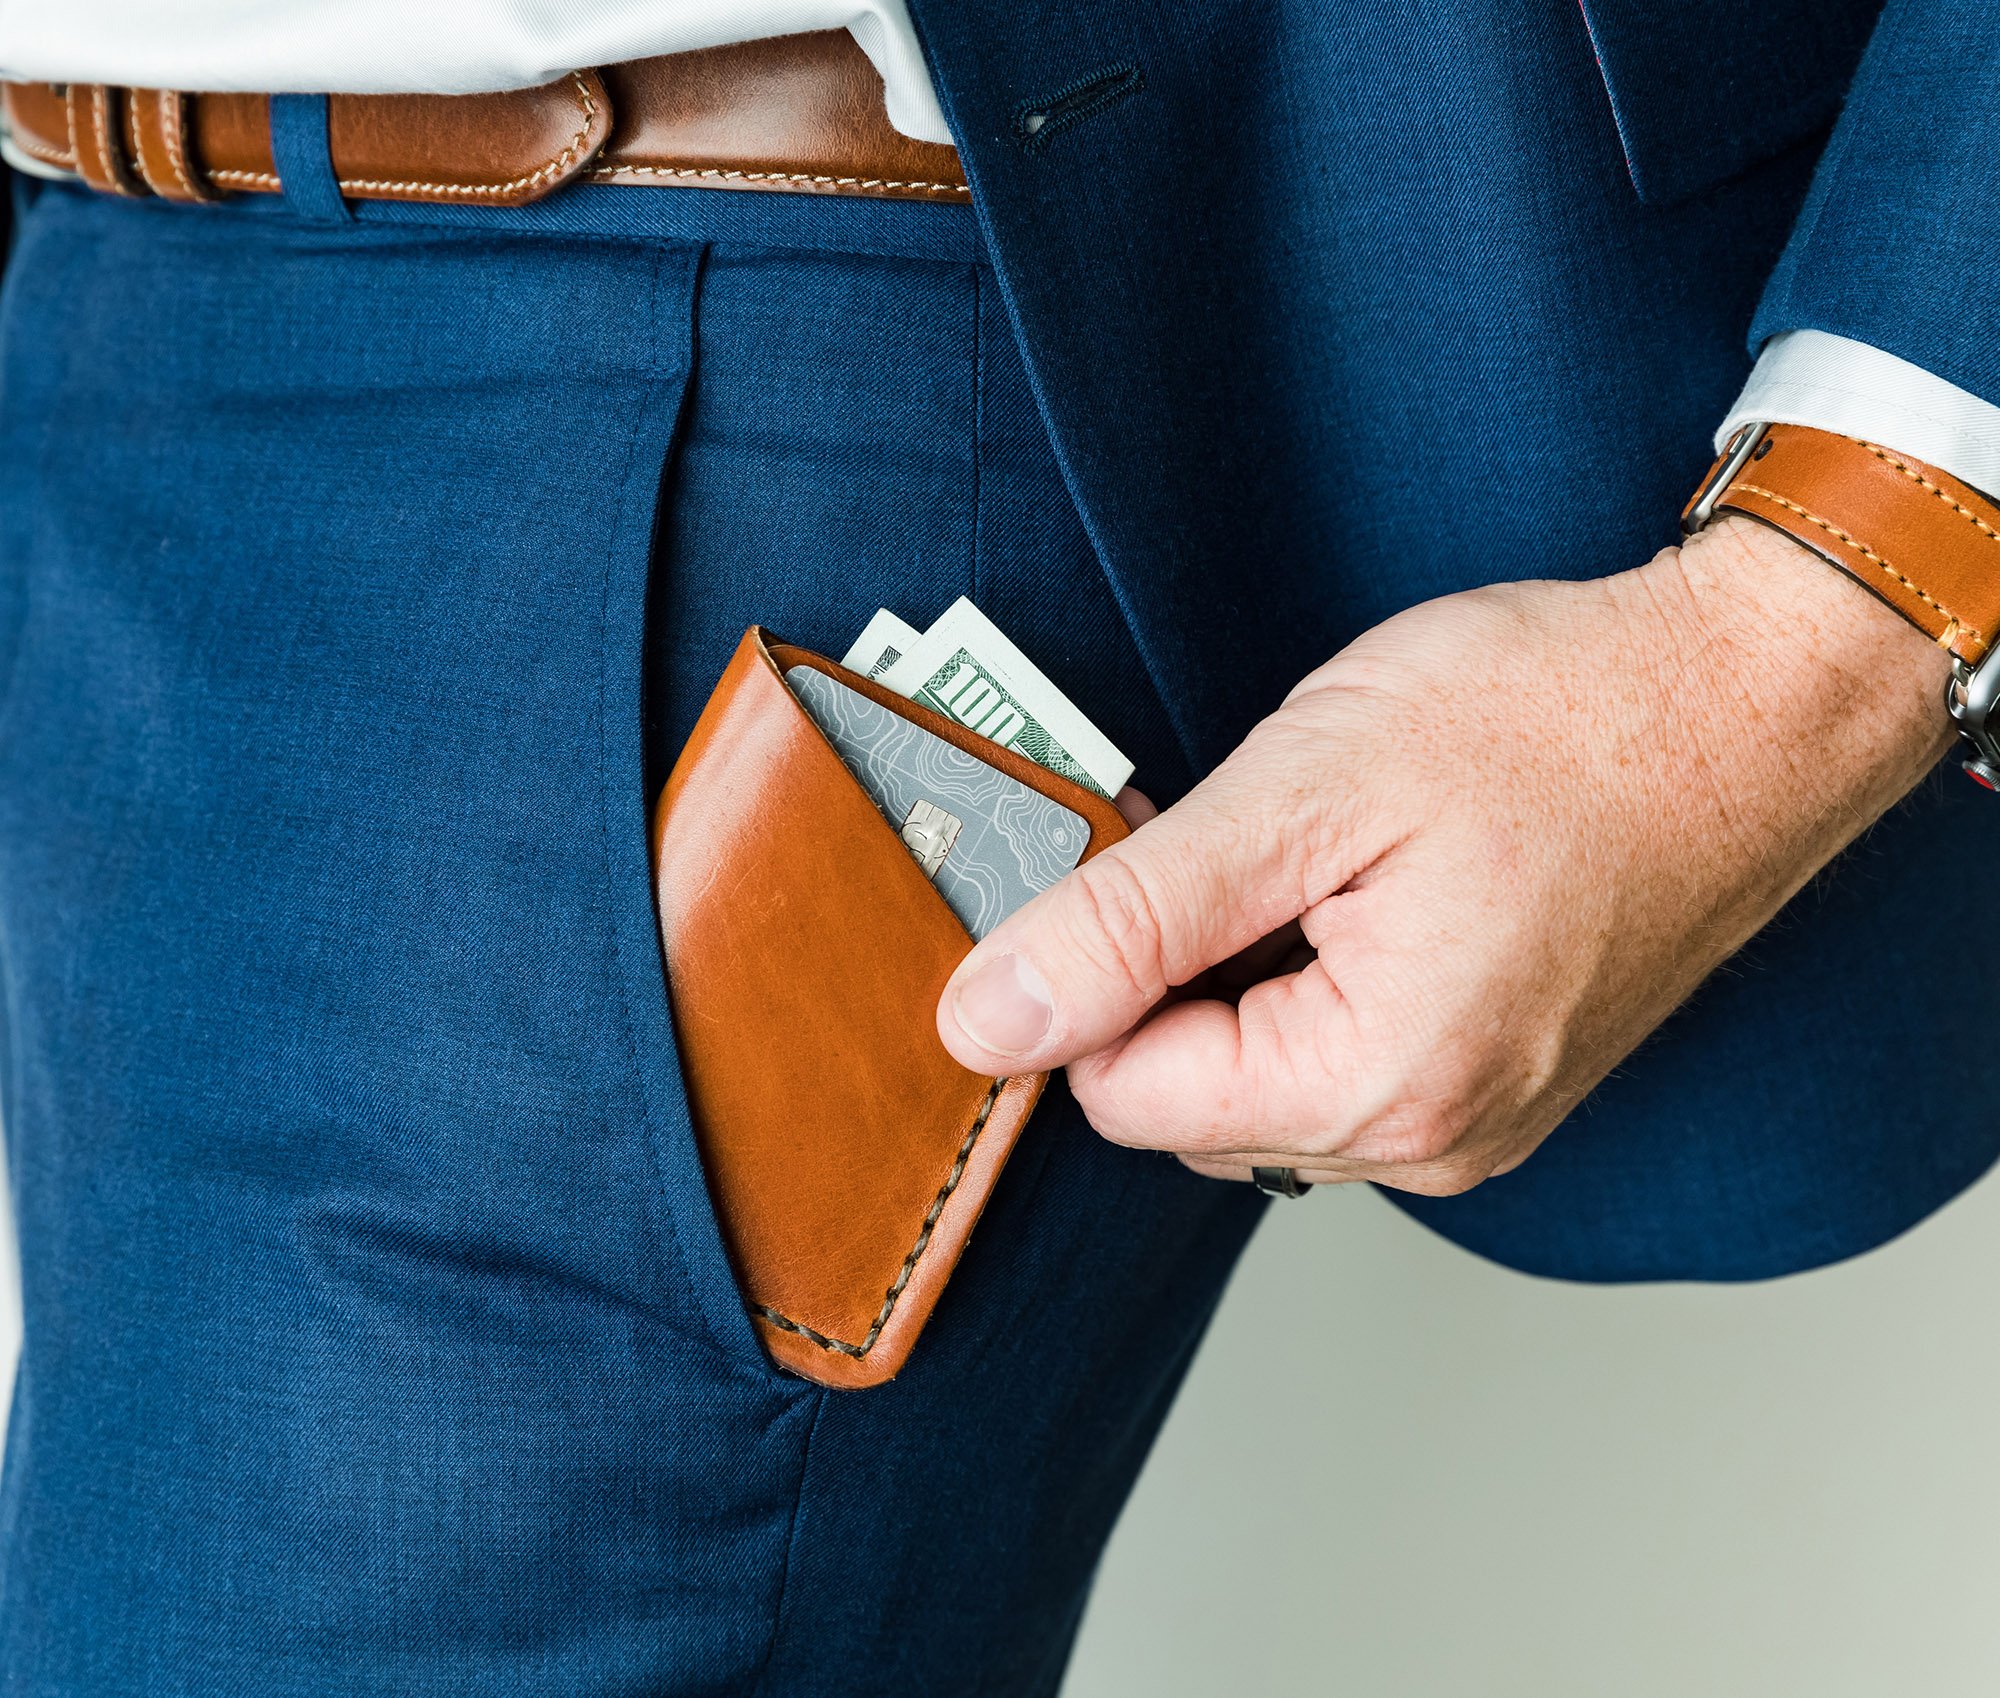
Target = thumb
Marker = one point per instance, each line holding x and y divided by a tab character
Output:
1082	963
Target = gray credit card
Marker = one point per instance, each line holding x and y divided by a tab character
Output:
987	841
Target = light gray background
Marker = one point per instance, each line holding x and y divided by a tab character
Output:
1397	1472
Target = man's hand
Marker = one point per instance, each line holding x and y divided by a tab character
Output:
1465	868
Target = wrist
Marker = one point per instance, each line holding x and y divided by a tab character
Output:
1740	572
1810	665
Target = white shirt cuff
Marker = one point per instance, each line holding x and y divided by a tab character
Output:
1807	377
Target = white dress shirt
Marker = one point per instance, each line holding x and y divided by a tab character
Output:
1808	377
407	47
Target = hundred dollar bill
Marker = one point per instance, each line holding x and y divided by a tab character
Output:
886	640
965	668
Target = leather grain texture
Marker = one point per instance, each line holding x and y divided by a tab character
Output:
479	149
848	1156
796	113
800	114
1905	531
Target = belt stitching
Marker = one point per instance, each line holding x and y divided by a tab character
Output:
138	145
548	168
611	172
41	150
172	116
580	92
171	122
69	124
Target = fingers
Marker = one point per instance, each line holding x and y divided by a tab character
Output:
1284	1069
1136	806
1246	851
1241	1174
1293	1076
1436	1180
1284	951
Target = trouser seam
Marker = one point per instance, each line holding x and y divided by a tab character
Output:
781	1615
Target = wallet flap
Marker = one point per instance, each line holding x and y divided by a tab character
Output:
848	1155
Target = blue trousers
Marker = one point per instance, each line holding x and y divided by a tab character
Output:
360	581
359	578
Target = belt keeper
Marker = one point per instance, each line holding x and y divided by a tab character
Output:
163	144
96	117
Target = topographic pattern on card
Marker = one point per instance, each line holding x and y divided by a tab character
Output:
1010	843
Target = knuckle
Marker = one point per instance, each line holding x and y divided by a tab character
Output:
1423	1137
1115	922
1431	1090
1420	1118
1098	1101
1442	1179
1429	1133
1114	1112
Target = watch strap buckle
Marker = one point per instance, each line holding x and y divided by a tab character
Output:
1734	457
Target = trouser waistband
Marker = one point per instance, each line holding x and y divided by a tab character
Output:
798	113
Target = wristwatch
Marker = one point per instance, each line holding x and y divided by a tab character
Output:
1905	531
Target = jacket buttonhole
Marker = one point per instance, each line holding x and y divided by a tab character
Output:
1038	120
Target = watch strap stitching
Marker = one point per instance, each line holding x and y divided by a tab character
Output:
1918	478
1961	625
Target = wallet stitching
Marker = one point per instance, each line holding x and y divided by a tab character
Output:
895	1291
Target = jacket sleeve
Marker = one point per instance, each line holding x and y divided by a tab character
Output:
1898	244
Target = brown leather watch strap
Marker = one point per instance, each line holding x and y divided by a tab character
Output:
800	113
1909	533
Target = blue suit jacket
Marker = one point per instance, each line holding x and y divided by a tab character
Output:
1333	309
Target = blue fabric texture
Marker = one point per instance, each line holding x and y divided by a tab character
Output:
1894	246
379	1336
1775	72
1334	314
302	152
359	578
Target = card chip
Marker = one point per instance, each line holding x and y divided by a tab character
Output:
928	834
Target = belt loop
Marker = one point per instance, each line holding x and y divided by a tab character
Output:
304	159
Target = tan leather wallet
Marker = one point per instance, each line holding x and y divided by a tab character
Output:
848	1155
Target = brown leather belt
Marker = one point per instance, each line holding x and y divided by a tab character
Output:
801	114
